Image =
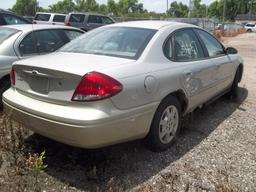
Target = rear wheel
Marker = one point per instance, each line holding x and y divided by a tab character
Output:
3	87
165	125
249	30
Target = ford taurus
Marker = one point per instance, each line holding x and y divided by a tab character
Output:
122	82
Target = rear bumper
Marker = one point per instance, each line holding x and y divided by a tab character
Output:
100	129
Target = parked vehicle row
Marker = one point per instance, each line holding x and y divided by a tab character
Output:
84	21
23	41
122	82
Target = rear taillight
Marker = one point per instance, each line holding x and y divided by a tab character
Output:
67	23
96	86
12	76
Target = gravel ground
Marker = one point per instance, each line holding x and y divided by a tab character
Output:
215	151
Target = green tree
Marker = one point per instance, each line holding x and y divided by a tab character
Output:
112	7
199	9
64	6
25	7
178	9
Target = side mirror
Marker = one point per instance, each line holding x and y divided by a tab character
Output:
231	50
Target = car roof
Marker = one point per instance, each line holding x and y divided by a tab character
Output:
5	11
88	13
29	27
152	24
50	13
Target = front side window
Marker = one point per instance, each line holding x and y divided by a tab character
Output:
186	46
94	19
50	40
213	46
106	20
76	18
72	34
42	17
126	42
59	18
28	45
12	20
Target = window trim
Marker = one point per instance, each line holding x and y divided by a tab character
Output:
173	50
203	44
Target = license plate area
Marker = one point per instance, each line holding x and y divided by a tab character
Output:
39	84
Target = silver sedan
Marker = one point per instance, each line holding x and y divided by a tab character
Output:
122	82
23	41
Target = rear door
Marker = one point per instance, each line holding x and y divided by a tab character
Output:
76	20
223	63
198	71
58	19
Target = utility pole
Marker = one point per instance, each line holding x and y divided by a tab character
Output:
190	7
224	11
250	13
167	6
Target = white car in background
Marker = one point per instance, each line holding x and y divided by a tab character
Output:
49	18
250	27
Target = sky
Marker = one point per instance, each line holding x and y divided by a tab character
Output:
151	5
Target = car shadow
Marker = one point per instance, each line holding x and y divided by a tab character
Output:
129	164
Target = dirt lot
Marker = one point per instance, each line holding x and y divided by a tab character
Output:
216	151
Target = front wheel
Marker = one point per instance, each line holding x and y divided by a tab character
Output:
234	88
165	125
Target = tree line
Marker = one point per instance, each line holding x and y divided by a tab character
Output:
133	8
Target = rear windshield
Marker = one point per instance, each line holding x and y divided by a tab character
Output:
76	18
59	18
42	17
126	42
6	33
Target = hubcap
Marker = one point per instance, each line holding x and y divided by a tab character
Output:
168	124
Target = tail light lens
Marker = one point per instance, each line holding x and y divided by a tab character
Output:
96	86
12	76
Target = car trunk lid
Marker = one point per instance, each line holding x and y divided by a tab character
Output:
55	77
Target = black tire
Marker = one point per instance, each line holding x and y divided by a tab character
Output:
234	88
3	87
249	30
153	140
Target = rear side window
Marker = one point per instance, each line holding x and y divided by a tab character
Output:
186	46
50	40
11	20
28	45
77	18
42	17
250	25
6	33
213	46
59	18
71	34
95	19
